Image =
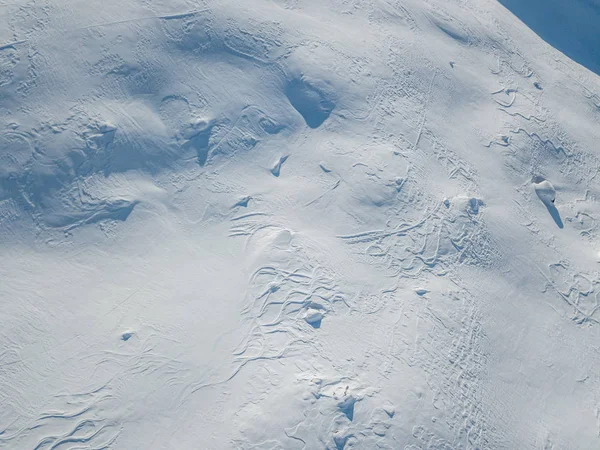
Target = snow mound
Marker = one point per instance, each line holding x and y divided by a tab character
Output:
299	224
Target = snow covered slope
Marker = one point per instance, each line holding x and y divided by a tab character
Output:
295	224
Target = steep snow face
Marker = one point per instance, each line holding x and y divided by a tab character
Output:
296	224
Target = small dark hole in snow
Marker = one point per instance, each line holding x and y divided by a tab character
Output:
126	336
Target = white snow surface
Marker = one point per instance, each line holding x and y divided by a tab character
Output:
295	224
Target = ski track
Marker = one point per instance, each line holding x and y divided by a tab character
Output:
227	227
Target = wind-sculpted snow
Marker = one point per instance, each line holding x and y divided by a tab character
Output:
291	224
311	100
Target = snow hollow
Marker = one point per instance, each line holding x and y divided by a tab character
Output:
299	224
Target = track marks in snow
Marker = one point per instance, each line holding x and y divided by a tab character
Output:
282	307
340	412
16	150
79	213
445	236
184	15
46	187
190	130
592	97
334	186
579	290
433	244
293	301
45	183
558	149
392	12
505	97
151	135
426	104
251	126
206	33
9	58
442	335
93	412
192	33
287	302
73	420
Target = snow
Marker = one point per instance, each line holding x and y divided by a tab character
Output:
291	224
545	191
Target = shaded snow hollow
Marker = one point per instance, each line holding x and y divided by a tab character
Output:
299	224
